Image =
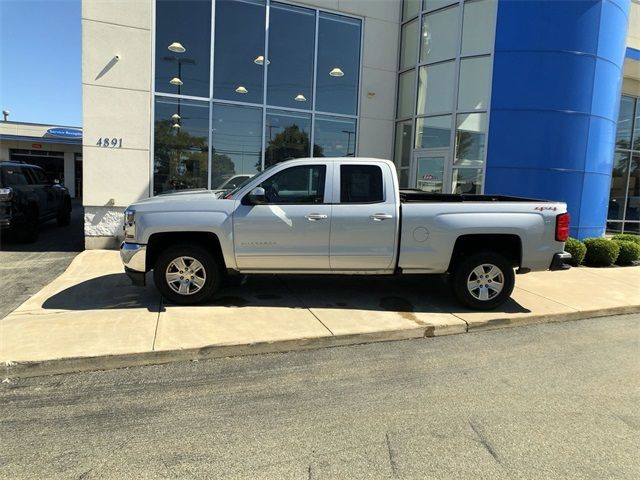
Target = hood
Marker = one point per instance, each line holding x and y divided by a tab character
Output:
183	201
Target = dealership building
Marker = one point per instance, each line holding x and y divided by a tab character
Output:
526	98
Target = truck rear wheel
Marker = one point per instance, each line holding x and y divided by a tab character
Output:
187	274
483	281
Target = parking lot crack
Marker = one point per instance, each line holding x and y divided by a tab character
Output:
155	334
304	304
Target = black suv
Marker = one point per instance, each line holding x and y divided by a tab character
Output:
28	197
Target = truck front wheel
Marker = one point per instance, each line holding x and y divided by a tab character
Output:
483	281
187	274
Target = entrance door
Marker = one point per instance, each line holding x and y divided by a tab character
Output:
429	170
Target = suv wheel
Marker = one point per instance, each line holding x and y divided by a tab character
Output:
187	274
483	281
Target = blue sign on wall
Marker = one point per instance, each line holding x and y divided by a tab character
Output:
61	132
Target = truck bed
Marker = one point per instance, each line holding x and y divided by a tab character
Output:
418	196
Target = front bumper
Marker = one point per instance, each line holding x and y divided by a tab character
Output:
558	261
134	258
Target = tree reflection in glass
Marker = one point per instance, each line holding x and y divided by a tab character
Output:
181	148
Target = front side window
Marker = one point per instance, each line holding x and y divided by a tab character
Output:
296	185
361	184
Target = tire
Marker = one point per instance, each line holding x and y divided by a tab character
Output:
176	262
64	215
483	281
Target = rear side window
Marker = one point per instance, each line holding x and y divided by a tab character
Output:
14	176
361	184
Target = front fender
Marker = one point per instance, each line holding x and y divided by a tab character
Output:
218	223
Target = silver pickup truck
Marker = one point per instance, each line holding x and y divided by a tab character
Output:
340	216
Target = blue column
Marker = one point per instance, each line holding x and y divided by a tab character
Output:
557	76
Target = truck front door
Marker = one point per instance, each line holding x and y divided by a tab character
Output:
290	231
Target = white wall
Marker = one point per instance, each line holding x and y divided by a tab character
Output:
116	104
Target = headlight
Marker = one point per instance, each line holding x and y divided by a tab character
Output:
129	224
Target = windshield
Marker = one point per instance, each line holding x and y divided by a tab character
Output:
229	182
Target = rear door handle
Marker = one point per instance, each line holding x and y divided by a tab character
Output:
378	217
314	217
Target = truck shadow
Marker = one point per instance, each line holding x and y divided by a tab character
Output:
411	293
418	293
113	291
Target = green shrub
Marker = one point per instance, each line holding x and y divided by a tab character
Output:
626	237
577	250
601	252
629	252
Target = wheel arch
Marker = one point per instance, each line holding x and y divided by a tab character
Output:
158	242
508	245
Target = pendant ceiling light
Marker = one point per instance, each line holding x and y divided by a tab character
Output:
241	89
176	81
176	47
336	72
259	60
300	98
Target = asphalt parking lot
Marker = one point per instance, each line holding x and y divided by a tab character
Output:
27	267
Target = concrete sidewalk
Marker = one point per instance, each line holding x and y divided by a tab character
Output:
92	318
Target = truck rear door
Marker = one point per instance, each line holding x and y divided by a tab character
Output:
364	218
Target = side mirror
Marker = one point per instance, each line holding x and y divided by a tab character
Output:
256	196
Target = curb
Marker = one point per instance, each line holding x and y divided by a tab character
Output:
15	370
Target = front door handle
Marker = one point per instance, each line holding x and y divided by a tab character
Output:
314	217
378	217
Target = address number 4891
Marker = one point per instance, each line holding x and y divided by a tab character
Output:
109	142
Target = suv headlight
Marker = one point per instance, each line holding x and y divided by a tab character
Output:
129	224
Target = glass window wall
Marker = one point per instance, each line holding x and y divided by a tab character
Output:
474	83
406	88
287	136
291	52
334	137
439	35
402	154
238	73
470	139
410	8
338	69
409	45
433	132
478	27
236	142
436	88
624	196
181	148
242	121
182	58
454	71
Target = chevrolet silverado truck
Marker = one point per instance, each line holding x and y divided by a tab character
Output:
340	216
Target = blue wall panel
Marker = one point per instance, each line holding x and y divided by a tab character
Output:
555	95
